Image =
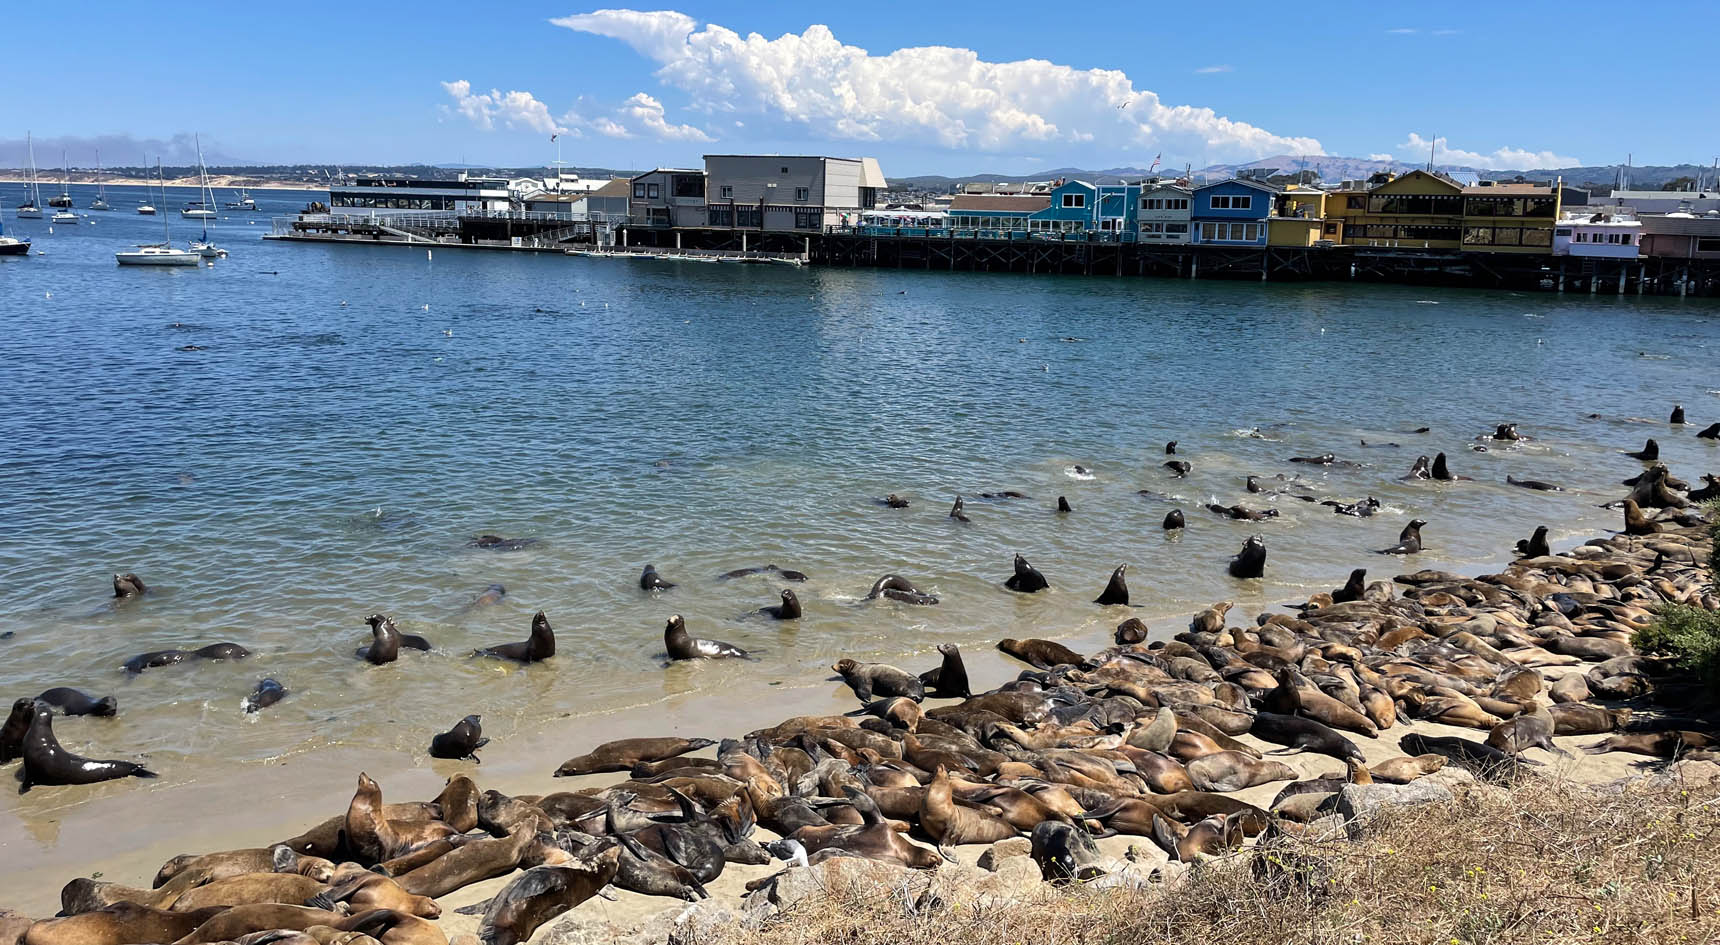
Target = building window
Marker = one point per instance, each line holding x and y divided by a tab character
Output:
1331	228
1219	202
1176	229
1707	245
639	191
1074	201
749	216
728	193
808	219
651	191
1355	203
720	216
785	170
802	193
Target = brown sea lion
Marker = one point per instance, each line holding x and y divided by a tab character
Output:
250	887
951	824
622	754
83	894
1578	718
1532	729
540	894
1211	620
123	923
1636	523
1042	654
874	838
365	891
879	679
457	805
128	585
1404	769
373	836
1299	697
1654	744
1211	836
279	858
1228	771
472	862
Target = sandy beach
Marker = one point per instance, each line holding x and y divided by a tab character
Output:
47	180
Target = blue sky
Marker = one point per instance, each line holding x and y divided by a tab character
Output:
927	88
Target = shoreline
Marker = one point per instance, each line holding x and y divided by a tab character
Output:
222	182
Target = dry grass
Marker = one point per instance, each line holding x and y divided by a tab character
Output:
1544	863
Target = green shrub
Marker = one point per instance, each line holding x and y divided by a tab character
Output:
1689	635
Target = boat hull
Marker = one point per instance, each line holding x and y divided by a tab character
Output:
29	213
177	258
197	214
12	247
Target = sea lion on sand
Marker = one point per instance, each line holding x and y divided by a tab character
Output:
1211	836
1303	734
291	888
45	762
1131	631
122	923
1710	432
1409	540
956	511
1535	484
1654	744
898	588
1250	562
373	836
386	641
73	702
1709	491
366	890
879	679
268	692
1649	453
950	679
1483	761
650	580
1064	852
1228	771
1173	520
1211	620
1026	579
1578	718
1636	523
950	824
1353	589
874	837
460	742
623	754
681	646
1535	546
1571	687
473	862
128	585
1042	654
13	732
1116	592
542	893
1532	729
1404	769
789	609
156	658
279	858
539	646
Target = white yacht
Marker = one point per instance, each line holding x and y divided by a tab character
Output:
64	216
245	202
31	208
158	254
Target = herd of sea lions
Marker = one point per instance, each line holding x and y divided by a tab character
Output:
1139	739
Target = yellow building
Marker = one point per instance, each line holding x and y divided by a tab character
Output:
1419	210
1510	218
1298	217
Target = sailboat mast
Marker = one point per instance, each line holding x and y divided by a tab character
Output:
161	176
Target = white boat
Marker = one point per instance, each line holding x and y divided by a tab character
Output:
64	216
147	209
31	208
207	249
786	261
157	254
244	203
100	203
200	209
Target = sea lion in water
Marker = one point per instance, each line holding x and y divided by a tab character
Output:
498	543
787	574
1710	489
1241	513
1063	506
460	742
1171	448
214	651
1535	546
894	501
45	762
1441	472
950	679
73	702
1535	484
956	511
1649	453
1677	414
898	588
1250	562
13	732
386	641
684	647
1507	431
268	692
1353	589
1042	654
622	754
1710	432
1173	520
1026	579
491	595
650	580
1131	631
539	646
1409	540
544	892
128	585
879	679
1179	468
1420	470
789	609
1116	592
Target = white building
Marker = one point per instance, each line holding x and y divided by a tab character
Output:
1164	214
1599	235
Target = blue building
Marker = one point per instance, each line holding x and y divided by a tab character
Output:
1232	213
1078	207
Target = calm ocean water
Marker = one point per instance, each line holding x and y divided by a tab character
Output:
356	416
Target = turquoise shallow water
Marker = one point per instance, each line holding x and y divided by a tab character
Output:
356	415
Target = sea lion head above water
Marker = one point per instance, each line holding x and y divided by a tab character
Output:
128	585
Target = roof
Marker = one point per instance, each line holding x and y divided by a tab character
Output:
1023	203
1541	190
1246	182
619	187
1157	188
871	175
670	170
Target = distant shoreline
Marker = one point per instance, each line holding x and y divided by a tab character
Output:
222	182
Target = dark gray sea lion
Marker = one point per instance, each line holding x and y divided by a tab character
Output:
491	595
956	511
1242	513
1303	734
1042	654
1353	588
894	501
128	585
1324	459
1250	562
1649	453
1483	761
1026	579
898	588
387	640
1116	591
1131	631
544	892
72	702
267	693
1173	520
1363	509
869	680
460	742
950	679
1005	494
1535	546
1420	470
1710	432
1709	491
157	658
1507	431
1171	448
539	646
1442	472
684	647
1064	853
16	727
45	762
1677	414
1178	467
498	543
789	609
1063	505
1535	484
623	754
650	580
1409	540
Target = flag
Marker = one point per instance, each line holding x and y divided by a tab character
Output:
1156	158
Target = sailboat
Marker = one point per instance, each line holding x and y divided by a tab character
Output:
31	208
100	203
204	207
65	197
147	208
11	246
162	253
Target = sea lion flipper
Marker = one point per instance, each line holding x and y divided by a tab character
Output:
320	901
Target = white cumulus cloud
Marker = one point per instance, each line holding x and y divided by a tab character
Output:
940	95
647	112
1381	156
1503	158
512	109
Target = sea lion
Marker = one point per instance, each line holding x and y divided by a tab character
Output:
1228	771
874	837
1042	654
279	858
789	609
956	511
460	742
1677	414
372	835
1211	836
1063	506
491	595
1533	729
950	679
1666	744
268	692
1211	620
1711	489
128	585
1305	734
650	580
1635	522
1250	562
1404	769
1507	431
1578	718
214	651
1179	468
950	824
1441	472
879	679
292	888
1571	687
1710	432
623	754
1026	579
544	892
364	891
1353	589
1420	469
539	646
73	702
1131	631
1171	448
898	588
1535	484
1649	453
684	647
1116	592
1535	546
386	641
1483	761
1063	852
122	923
45	762
13	732
1324	459
498	543
1241	513
1173	520
894	501
1409	540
